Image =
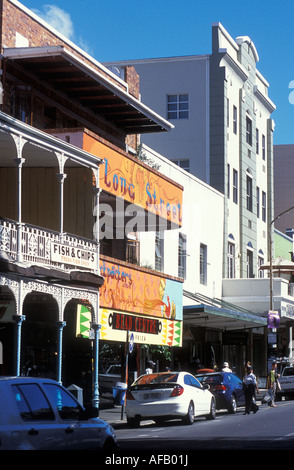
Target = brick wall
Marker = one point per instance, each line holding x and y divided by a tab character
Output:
17	20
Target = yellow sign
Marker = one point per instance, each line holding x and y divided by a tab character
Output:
146	330
126	177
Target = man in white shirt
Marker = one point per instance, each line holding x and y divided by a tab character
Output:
226	367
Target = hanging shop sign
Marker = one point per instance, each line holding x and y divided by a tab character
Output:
125	177
141	292
146	330
67	254
83	321
273	319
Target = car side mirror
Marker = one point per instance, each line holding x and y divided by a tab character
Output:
206	387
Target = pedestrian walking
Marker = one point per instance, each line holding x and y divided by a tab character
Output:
272	384
226	367
250	389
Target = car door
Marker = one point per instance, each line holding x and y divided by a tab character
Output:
38	424
196	393
238	389
80	433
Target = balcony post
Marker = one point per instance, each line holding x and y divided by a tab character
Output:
61	177
18	320
97	192
19	161
60	326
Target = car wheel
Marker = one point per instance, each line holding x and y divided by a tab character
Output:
233	405
189	418
212	410
133	422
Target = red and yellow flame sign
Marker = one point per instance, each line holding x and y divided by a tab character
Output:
138	291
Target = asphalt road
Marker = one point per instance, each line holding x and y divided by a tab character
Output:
269	428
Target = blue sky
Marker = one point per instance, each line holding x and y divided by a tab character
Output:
130	29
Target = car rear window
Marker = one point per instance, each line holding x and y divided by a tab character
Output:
156	380
31	402
210	379
288	371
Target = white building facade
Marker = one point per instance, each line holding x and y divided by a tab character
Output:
194	253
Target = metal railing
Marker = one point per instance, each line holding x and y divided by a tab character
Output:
33	244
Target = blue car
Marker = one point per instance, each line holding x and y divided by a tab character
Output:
227	388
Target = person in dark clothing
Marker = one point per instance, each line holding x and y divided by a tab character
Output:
250	388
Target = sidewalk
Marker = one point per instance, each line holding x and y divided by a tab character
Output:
111	413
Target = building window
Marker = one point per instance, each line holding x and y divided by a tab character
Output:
231	260
132	250
249	263
235	186
182	256
203	264
263	147
178	106
260	263
257	202
235	120
257	141
248	131
159	247
21	104
249	192
263	206
185	164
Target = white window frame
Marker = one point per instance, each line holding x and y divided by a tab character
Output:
177	106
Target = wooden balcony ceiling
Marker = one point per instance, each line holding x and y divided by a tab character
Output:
64	72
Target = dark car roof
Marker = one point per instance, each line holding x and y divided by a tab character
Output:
22	378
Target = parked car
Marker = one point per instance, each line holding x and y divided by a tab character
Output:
40	414
227	388
109	380
168	395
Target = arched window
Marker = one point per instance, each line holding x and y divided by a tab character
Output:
260	263
250	272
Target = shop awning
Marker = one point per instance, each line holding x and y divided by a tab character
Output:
90	85
214	314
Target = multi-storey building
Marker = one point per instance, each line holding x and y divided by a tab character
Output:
69	179
223	134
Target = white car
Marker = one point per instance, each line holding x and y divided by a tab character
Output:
109	380
168	395
40	414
